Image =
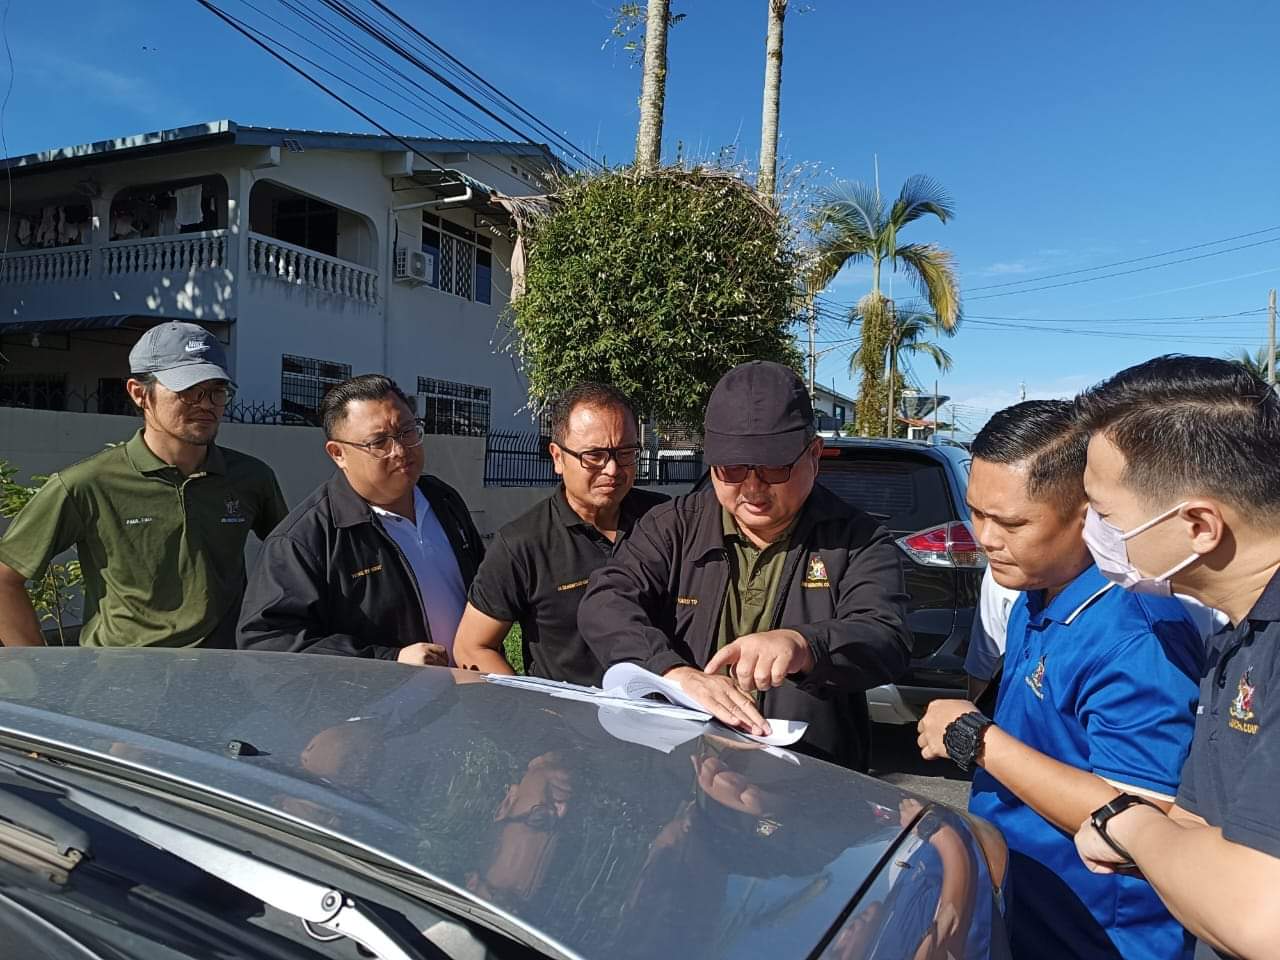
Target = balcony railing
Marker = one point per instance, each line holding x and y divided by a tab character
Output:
46	266
273	258
195	251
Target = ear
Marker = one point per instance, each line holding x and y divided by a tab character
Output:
557	457
137	391
337	453
1205	521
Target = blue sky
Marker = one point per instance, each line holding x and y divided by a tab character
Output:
1068	136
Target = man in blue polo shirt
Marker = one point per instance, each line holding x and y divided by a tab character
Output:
1184	490
1097	698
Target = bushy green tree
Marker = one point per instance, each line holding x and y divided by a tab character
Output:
55	594
657	284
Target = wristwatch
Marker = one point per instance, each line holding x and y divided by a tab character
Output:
1104	813
963	738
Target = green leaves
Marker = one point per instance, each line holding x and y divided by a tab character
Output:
655	284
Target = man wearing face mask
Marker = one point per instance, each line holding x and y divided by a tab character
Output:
1097	697
376	562
1184	491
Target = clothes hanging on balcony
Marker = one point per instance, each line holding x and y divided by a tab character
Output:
189	205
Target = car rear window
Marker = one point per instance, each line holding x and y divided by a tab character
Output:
909	494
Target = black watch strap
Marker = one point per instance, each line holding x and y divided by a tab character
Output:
963	738
1104	813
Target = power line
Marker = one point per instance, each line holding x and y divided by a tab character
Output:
1121	263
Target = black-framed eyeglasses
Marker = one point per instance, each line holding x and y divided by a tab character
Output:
597	458
771	475
382	447
219	396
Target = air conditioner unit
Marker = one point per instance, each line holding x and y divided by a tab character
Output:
413	266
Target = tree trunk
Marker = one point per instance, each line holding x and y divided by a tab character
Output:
766	181
653	89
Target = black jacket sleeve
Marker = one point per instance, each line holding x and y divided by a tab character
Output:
614	616
455	518
286	607
868	642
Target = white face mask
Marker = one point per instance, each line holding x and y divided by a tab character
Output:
1106	542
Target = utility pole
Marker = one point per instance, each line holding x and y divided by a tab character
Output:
1271	339
953	421
813	344
933	437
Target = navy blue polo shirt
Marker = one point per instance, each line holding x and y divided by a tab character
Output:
1106	681
1233	773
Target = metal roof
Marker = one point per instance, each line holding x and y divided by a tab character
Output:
230	133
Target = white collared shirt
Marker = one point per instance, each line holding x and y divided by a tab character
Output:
434	566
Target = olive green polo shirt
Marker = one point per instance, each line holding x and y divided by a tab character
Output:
162	554
754	575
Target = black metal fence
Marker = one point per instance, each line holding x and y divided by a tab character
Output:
522	460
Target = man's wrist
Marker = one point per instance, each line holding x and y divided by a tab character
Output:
1126	827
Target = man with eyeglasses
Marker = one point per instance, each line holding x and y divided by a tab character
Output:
536	570
377	561
763	594
160	521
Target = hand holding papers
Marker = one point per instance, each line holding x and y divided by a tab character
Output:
627	687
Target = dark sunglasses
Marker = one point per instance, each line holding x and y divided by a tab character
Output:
737	472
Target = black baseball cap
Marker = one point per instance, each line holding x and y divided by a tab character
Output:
759	413
179	355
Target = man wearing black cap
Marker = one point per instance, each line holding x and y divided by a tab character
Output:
764	594
159	522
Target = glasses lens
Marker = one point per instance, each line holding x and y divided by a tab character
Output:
594	458
627	456
772	475
734	473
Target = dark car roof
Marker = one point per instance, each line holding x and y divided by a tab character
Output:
540	806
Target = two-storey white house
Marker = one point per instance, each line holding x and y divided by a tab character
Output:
313	255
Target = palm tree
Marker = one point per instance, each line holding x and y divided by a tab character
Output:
653	86
914	331
766	182
852	226
1256	363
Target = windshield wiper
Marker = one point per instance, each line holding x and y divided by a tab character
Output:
316	904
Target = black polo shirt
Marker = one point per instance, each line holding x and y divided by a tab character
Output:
1231	775
535	573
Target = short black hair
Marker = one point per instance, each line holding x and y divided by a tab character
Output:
1192	425
1045	435
587	394
367	386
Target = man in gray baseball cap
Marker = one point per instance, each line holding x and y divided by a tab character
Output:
762	594
160	521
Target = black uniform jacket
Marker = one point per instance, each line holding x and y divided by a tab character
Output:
658	603
331	580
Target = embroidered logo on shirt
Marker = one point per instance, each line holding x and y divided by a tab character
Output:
572	586
233	512
687	601
366	571
135	521
815	574
1242	706
1035	679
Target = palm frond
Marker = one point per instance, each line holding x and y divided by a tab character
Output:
850	208
940	357
919	196
932	269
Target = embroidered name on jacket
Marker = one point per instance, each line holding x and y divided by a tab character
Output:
366	571
572	586
1242	712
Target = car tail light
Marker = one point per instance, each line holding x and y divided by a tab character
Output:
946	545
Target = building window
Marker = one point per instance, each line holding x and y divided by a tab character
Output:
453	409
837	411
113	397
306	223
304	382
34	391
462	261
